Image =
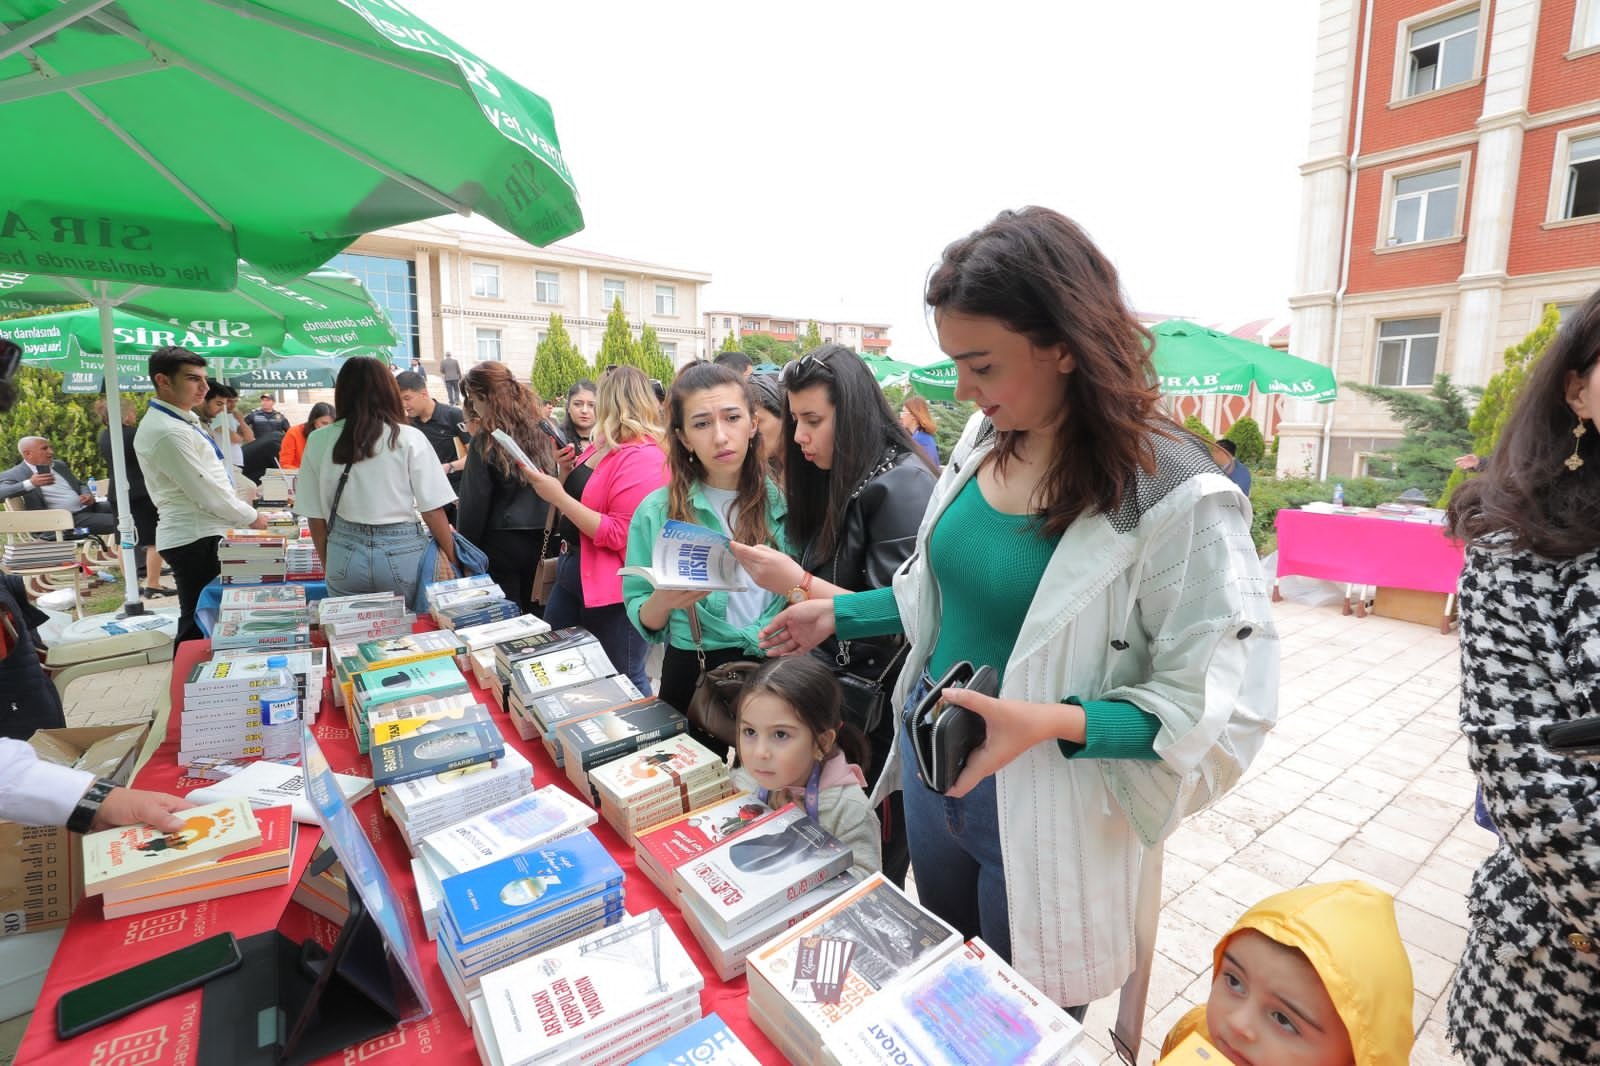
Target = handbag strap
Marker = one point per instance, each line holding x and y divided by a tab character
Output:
333	512
694	631
889	460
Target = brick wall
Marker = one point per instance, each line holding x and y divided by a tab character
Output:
1393	125
1535	249
1558	81
1374	271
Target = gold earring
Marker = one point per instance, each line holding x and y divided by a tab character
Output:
1575	461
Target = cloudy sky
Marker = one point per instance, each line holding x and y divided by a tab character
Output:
815	158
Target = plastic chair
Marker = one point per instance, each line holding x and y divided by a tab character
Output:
21	527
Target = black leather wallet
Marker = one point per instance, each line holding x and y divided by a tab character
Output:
1581	736
943	735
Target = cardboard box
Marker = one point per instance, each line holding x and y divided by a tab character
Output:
1409	605
41	869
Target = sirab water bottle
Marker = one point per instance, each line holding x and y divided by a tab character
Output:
1338	494
280	699
94	489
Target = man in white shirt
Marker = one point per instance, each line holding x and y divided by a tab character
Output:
45	483
188	481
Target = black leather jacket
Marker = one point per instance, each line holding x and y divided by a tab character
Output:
493	501
879	533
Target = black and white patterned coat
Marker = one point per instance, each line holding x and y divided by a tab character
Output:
1528	990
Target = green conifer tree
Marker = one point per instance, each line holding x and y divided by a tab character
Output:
652	360
618	346
557	363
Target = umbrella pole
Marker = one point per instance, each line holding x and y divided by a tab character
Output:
127	536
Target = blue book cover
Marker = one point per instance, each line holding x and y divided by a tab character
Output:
484	901
708	1042
557	927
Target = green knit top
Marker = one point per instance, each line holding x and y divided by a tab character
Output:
988	566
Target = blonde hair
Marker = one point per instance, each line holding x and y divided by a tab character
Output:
626	408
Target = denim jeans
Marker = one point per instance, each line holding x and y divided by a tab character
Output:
622	643
363	558
955	850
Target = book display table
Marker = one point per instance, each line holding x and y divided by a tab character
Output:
1366	552
210	601
166	1033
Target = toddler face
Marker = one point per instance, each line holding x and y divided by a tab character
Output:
1268	1008
774	744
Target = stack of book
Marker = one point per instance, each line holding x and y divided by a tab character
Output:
486	636
597	739
508	829
251	557
308	665
662	848
280	523
436	589
424	746
968	998
290	599
29	554
326	893
524	904
301	562
572	705
474	605
658	782
411	648
413	683
817	974
256	630
345	658
221	717
429	804
607	997
510	654
114	859
371	616
266	865
274	489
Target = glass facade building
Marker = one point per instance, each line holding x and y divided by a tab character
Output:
393	284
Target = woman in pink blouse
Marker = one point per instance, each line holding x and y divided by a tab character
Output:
596	502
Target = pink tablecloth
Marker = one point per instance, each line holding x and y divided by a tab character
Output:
1359	550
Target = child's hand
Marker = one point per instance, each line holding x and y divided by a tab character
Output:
1014	726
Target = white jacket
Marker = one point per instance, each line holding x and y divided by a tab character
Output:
1172	578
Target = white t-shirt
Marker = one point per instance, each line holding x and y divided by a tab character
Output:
390	487
59	496
743	607
223	427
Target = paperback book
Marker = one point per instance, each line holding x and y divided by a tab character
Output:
432	716
267	784
742	880
728	954
113	858
509	891
552	671
662	848
691	558
708	1042
523	824
427	804
582	701
598	739
425	754
264	866
411	648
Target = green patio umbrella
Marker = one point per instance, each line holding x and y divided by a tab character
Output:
936	381
1192	360
290	372
888	371
171	138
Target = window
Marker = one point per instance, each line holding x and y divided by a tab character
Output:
613	290
1408	350
393	284
666	300
727	323
1562	311
1424	206
488	345
539	338
486	280
1586	27
670	350
1581	196
1442	54
547	287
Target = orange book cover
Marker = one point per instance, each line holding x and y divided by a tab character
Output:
277	828
122	856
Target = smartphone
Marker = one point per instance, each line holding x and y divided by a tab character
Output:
553	433
149	982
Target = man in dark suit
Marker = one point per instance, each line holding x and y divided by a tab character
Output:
45	483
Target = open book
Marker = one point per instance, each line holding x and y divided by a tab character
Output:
518	456
691	557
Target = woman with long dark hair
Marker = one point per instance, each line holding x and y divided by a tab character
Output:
596	502
363	482
1093	554
1530	660
856	487
578	420
498	510
718	481
294	441
767	391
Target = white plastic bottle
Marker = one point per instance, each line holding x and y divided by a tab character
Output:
1338	494
280	698
93	487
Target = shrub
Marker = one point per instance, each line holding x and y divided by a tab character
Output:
1269	495
1246	435
1198	428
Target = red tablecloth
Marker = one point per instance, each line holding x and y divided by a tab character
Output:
167	1032
1380	552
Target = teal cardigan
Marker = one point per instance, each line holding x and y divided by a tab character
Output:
714	628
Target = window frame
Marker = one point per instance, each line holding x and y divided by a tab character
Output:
1399	94
540	280
494	334
473	278
1584	12
672	300
1560	163
1378	340
1392	177
670	350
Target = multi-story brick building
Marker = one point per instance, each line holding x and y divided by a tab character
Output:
868	338
464	286
1451	193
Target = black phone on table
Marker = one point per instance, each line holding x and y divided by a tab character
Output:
149	982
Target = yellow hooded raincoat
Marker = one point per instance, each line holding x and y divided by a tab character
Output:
1347	930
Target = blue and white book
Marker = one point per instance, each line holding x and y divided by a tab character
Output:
482	902
687	556
708	1042
525	823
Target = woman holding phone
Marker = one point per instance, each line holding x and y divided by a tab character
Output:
1092	554
498	510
